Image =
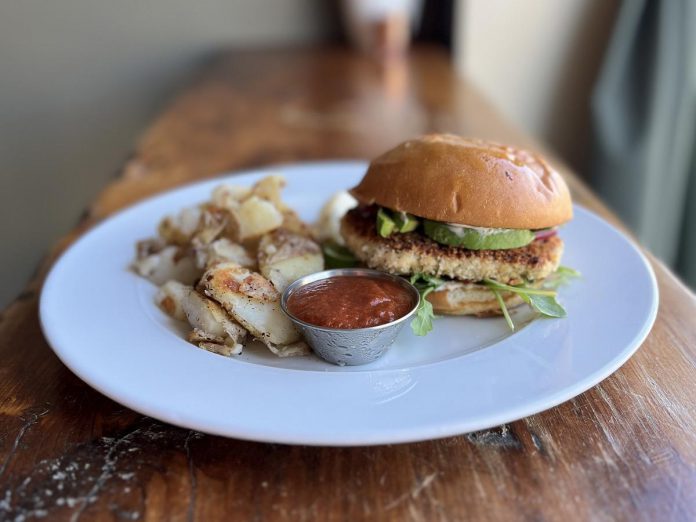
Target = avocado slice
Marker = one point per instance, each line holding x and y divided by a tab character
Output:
476	239
385	224
405	222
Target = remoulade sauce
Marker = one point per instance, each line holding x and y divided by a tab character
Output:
350	302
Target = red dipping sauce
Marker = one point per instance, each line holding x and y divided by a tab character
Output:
350	302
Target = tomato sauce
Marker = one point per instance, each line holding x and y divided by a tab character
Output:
349	302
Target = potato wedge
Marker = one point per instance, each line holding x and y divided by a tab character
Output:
290	350
205	315
170	297
172	263
229	196
179	229
212	224
293	223
196	336
269	188
214	344
285	256
147	247
255	217
252	300
225	350
223	251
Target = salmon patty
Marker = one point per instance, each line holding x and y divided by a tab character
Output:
414	252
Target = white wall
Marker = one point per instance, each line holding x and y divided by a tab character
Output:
537	61
79	79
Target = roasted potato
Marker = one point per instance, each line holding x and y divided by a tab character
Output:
211	343
289	350
212	224
180	228
207	316
255	217
222	237
293	223
252	300
269	188
147	247
222	251
229	197
170	297
172	263
285	256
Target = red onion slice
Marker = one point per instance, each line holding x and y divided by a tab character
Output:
543	234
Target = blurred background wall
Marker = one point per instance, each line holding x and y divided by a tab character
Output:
537	61
80	79
610	85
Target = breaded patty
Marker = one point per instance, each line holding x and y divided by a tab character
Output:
414	252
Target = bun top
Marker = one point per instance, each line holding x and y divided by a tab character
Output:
469	182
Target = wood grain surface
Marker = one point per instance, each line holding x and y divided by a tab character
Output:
625	450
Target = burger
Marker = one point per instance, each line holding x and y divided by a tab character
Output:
472	223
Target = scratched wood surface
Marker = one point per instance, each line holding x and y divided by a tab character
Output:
625	450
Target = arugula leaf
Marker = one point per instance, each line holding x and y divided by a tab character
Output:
503	307
543	301
520	289
567	271
425	281
423	322
547	306
561	276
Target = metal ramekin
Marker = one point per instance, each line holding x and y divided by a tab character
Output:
350	347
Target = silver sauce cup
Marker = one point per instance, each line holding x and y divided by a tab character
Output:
356	346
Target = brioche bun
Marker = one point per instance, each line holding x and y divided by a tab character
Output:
460	298
448	178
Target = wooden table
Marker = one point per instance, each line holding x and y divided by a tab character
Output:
625	450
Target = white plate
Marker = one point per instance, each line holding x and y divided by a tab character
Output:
468	374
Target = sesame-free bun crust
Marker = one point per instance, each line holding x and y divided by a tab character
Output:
470	299
470	182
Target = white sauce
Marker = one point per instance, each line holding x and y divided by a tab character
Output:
458	230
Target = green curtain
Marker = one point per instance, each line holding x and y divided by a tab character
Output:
644	120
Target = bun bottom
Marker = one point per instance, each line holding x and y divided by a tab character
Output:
457	298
